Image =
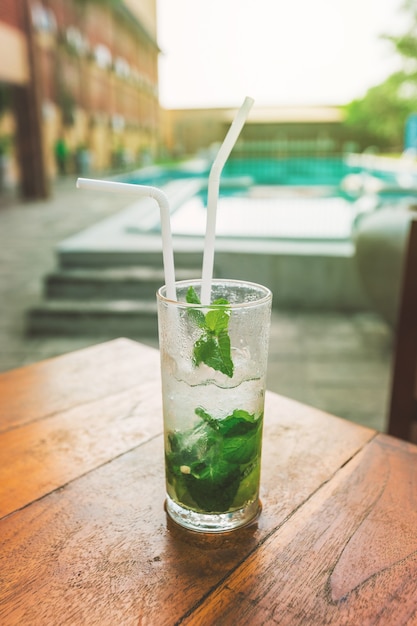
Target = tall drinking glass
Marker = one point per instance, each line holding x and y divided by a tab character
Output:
213	365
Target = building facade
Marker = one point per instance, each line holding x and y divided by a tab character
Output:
79	93
86	71
21	150
283	130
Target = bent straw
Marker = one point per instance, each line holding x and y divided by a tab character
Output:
212	196
162	200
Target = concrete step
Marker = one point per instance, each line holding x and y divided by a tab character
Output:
147	251
132	236
124	283
93	318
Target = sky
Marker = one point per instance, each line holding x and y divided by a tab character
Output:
279	52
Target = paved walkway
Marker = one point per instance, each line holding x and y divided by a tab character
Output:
336	362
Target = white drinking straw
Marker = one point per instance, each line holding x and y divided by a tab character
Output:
213	194
162	200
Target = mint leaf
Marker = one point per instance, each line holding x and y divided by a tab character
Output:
244	416
197	315
214	352
207	418
241	433
209	465
225	354
238	423
213	347
240	450
215	489
205	350
191	296
217	320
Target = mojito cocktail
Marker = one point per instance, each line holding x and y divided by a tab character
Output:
213	364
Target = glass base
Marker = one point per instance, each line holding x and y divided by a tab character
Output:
212	522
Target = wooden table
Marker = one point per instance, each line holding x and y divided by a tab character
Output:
85	539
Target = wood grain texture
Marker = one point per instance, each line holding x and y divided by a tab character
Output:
85	538
46	388
348	556
100	550
47	454
302	448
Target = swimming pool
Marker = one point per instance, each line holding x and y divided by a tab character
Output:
269	211
262	171
276	198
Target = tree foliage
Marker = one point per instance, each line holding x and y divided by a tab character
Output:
379	117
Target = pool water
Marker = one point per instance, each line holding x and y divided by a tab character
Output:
289	171
299	198
263	171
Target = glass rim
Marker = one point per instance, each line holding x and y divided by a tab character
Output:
217	281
